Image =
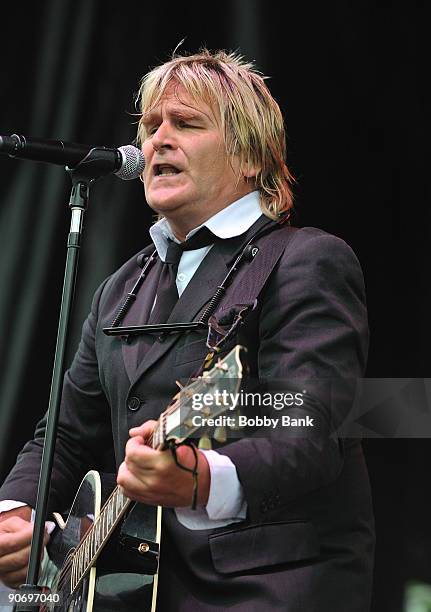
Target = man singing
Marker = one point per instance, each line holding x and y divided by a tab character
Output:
283	521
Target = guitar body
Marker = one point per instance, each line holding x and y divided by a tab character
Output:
122	579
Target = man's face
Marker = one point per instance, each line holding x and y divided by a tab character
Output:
188	176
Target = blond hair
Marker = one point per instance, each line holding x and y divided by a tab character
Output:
251	120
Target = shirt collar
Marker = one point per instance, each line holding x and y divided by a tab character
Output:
229	222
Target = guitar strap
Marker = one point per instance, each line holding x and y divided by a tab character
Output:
242	295
271	247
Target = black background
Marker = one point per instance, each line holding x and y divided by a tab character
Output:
348	77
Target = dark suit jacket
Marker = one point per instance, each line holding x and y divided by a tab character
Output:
307	543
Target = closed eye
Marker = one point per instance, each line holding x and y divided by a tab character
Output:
182	123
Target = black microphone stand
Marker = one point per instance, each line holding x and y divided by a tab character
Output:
95	165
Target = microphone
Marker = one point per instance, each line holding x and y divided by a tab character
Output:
127	161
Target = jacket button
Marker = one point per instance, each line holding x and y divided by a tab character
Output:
134	404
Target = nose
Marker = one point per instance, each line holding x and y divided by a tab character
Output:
163	137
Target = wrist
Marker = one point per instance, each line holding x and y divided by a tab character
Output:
204	479
23	512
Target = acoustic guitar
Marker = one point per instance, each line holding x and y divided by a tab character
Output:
106	558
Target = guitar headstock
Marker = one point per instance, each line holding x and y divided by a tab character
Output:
202	401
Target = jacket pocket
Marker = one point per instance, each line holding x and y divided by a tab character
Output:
258	546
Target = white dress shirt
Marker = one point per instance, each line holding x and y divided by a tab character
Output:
226	502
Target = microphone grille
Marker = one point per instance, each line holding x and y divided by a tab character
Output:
133	163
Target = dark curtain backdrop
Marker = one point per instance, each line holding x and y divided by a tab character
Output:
348	77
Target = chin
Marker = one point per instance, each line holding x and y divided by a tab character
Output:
164	206
164	202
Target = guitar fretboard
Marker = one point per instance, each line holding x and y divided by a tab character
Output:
93	542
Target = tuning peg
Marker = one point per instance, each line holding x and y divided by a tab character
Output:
220	434
208	360
205	442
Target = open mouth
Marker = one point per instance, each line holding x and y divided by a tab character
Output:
165	170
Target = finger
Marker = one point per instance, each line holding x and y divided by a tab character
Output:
139	454
14	579
148	465
133	487
14	561
147	425
135	449
147	497
14	540
135	442
14	524
145	430
122	471
131	481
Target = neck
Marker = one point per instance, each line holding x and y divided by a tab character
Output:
179	232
